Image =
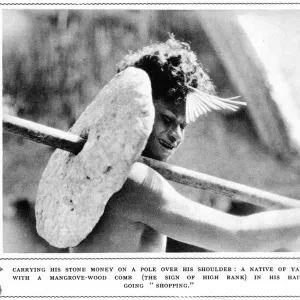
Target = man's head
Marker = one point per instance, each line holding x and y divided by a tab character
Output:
172	68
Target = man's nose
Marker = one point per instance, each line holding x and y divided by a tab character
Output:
175	134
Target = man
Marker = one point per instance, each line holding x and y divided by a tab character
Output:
147	208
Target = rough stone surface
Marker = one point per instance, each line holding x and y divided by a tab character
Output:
74	189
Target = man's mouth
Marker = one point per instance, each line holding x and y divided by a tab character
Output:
167	145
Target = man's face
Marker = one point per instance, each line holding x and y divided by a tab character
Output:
168	130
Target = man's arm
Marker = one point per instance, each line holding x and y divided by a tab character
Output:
154	202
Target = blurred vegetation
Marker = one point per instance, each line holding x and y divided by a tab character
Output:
65	57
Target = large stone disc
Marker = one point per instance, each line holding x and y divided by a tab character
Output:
74	189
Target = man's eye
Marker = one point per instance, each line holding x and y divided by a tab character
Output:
167	119
183	126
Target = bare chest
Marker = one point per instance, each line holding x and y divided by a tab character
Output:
115	233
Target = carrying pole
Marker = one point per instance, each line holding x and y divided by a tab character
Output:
74	144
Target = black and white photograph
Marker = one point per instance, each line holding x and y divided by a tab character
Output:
150	131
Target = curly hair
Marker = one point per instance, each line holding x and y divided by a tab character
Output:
172	67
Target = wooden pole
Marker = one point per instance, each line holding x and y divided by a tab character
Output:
43	134
73	143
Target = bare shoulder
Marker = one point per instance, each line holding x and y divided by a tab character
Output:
142	190
143	179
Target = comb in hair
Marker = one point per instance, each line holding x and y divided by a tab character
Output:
199	103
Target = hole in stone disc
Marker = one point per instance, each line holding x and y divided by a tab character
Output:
108	169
